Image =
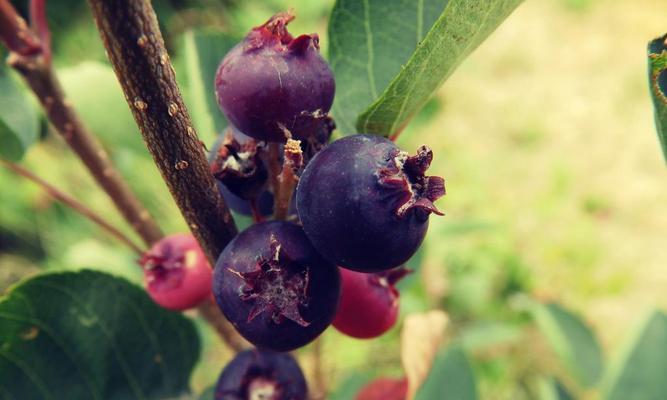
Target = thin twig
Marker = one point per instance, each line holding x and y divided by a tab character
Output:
210	311
319	390
73	204
40	76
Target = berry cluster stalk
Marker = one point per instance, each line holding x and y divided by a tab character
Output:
30	57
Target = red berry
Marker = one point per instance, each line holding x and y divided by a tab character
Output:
384	389
271	83
369	303
176	272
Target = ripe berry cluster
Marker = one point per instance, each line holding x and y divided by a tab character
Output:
359	212
340	237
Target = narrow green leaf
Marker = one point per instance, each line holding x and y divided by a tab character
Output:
19	120
89	335
203	51
553	389
572	341
640	373
460	29
657	70
451	378
389	56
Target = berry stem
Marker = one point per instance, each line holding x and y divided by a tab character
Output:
134	44
319	387
287	179
35	68
135	47
210	311
73	204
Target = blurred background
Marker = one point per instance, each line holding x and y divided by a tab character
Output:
556	186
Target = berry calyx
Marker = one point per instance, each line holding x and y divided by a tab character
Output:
237	164
177	274
274	287
404	174
369	303
261	375
364	204
272	86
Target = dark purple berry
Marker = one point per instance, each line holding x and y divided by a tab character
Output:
261	375
272	85
238	165
274	287
364	203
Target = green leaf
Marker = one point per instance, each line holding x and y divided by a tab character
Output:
553	389
572	341
350	386
640	374
89	335
657	71
451	378
19	120
202	52
93	89
389	56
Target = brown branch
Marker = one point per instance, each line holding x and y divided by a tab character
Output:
14	32
135	47
41	78
73	204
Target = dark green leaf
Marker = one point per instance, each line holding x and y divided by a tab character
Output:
451	378
19	121
657	68
202	52
89	335
572	341
640	374
389	56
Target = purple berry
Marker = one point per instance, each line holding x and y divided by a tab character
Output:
261	374
364	204
272	84
274	287
239	205
238	165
